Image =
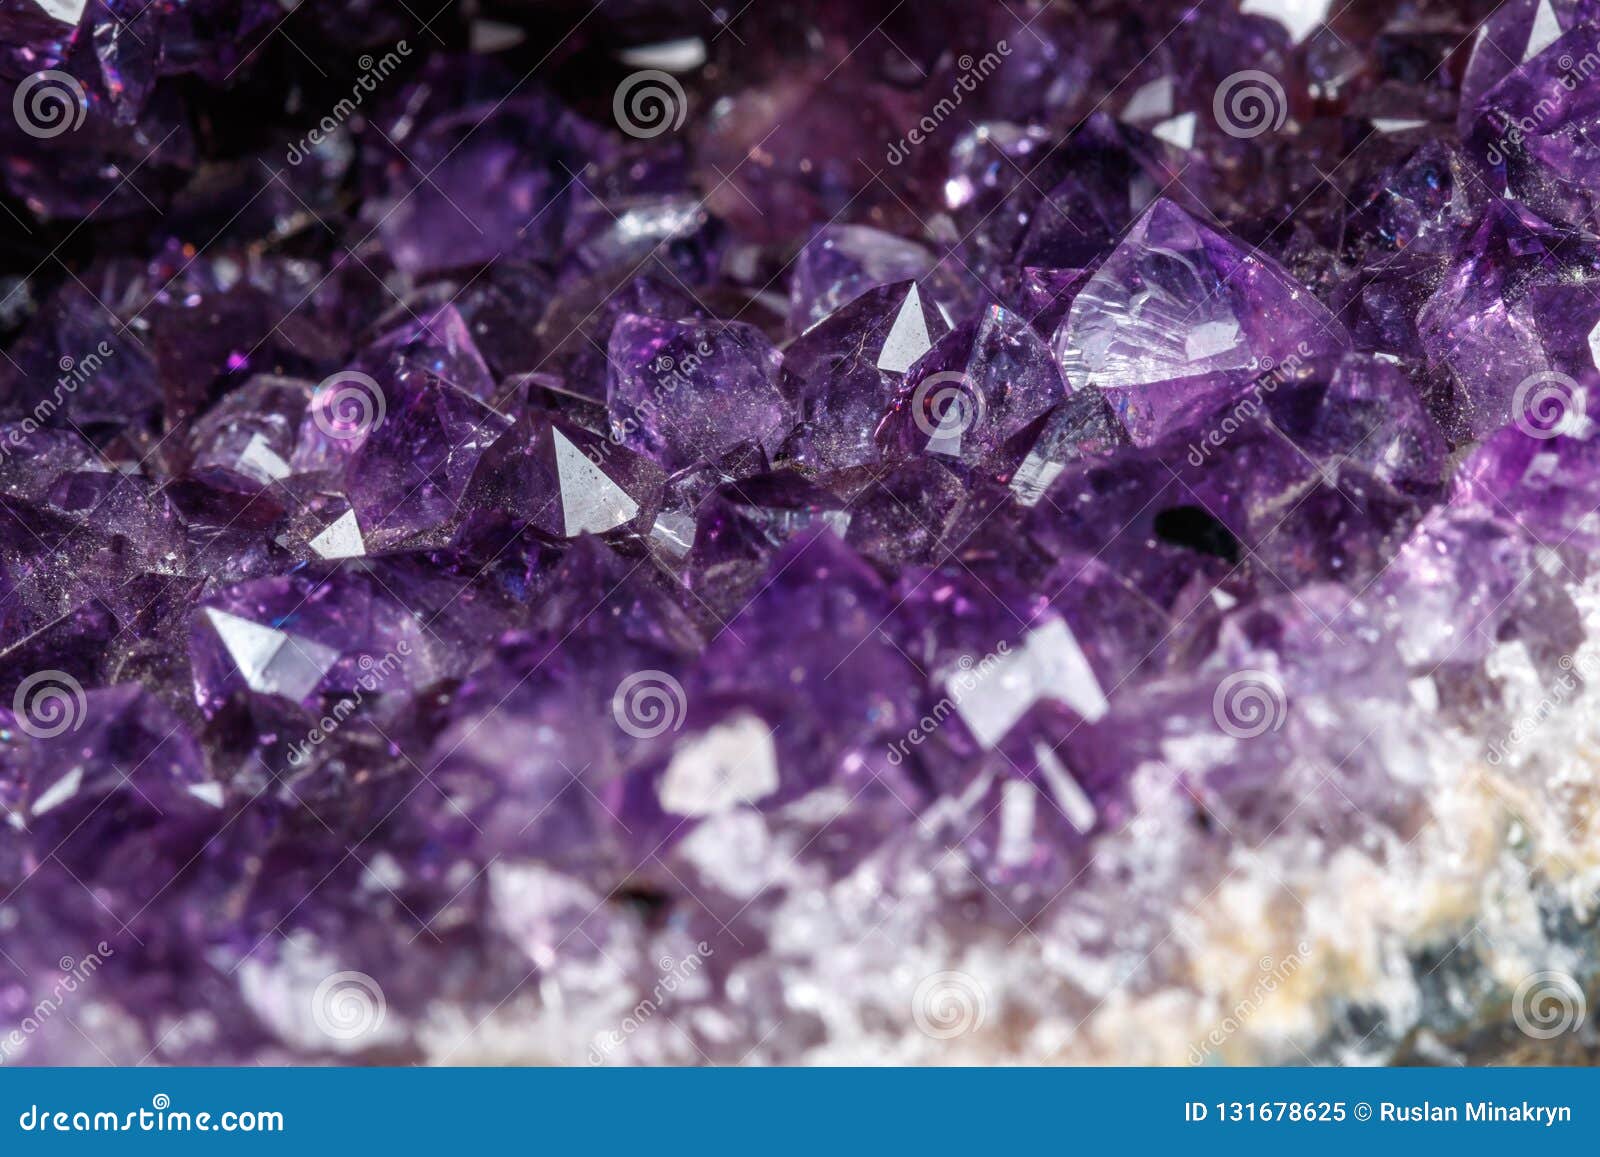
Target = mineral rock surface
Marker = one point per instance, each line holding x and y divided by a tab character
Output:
941	533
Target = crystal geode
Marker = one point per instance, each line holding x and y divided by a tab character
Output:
955	533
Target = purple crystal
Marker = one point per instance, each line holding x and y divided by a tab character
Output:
743	524
1080	425
248	439
1526	107
1502	316
438	344
979	386
576	326
1540	471
127	745
36	35
564	481
1060	503
1179	317
410	475
476	183
684	392
844	372
842	262
817	590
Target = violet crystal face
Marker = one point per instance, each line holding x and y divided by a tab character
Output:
948	533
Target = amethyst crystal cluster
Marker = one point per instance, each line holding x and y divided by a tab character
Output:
803	532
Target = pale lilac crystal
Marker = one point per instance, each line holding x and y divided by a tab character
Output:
438	343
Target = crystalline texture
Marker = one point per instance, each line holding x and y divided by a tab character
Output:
1179	317
685	393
